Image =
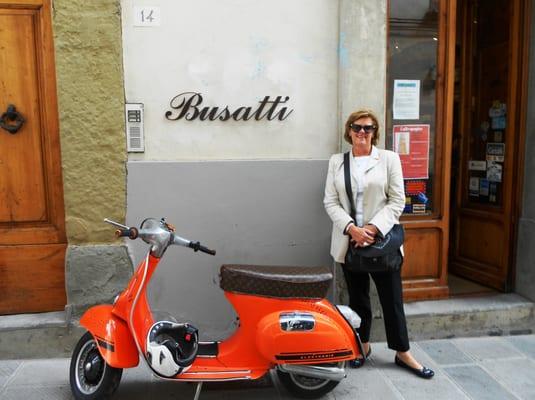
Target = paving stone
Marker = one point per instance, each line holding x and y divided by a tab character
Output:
518	376
410	386
37	393
477	383
444	352
365	383
383	359
524	343
7	368
140	390
439	387
479	369
42	373
487	348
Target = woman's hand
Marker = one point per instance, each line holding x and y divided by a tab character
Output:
362	236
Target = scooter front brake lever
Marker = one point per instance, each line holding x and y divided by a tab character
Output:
118	225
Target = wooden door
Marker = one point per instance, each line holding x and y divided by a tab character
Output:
490	64
32	222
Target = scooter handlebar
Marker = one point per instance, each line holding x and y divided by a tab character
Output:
196	246
131	233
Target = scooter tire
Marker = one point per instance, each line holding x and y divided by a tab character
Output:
304	387
97	381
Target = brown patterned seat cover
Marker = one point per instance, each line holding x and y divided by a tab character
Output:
277	281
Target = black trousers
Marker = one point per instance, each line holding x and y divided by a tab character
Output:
389	288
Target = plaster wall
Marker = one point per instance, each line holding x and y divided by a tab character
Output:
362	59
253	190
250	212
234	53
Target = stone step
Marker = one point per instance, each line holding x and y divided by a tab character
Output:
489	315
40	335
54	334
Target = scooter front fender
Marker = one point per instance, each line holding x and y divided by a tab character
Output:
115	342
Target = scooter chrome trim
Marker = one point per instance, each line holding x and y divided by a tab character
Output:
246	371
314	371
297	321
181	379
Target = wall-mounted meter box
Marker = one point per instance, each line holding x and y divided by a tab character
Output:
135	142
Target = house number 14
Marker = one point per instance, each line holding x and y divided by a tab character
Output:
146	16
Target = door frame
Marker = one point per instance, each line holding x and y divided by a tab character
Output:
523	67
425	272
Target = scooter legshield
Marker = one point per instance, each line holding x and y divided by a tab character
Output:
115	342
304	337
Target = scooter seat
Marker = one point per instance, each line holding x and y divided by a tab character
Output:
277	281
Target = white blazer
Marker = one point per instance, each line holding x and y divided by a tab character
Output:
383	202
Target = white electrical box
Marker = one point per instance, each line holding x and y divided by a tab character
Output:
135	141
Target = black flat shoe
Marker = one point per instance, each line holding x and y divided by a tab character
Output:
425	372
359	362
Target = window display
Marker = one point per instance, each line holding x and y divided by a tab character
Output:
411	97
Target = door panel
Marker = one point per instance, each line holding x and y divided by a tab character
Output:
32	222
489	66
32	278
425	243
482	240
22	196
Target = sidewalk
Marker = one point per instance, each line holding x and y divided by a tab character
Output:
471	368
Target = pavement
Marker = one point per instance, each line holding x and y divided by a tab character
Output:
481	368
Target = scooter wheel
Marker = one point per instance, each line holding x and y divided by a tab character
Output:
306	387
90	377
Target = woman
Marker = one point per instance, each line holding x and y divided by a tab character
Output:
379	198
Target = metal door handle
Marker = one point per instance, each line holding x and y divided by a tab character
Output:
11	115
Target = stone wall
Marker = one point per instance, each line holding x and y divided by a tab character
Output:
87	37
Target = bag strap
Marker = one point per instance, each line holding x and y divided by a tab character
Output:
347	179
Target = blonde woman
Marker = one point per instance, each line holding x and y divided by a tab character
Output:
379	198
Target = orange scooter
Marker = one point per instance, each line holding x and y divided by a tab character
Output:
285	322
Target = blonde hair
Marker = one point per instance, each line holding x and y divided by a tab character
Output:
356	115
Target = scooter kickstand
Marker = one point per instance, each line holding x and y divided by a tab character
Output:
198	391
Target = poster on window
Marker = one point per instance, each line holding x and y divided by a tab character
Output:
411	142
406	101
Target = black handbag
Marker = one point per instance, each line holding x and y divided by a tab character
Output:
384	254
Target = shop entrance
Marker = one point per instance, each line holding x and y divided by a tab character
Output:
486	135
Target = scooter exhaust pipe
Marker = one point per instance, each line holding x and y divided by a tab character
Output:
315	371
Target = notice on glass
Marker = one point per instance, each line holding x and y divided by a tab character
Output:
411	142
406	101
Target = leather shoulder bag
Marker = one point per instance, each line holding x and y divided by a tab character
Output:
384	254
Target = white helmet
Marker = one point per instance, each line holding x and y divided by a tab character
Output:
171	347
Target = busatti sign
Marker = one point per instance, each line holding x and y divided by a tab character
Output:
188	106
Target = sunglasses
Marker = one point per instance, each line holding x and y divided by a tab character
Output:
367	128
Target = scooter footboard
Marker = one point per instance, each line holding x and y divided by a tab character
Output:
305	337
115	342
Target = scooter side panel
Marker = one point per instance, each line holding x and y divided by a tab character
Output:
115	342
259	339
325	342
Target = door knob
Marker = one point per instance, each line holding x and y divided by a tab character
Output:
11	120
